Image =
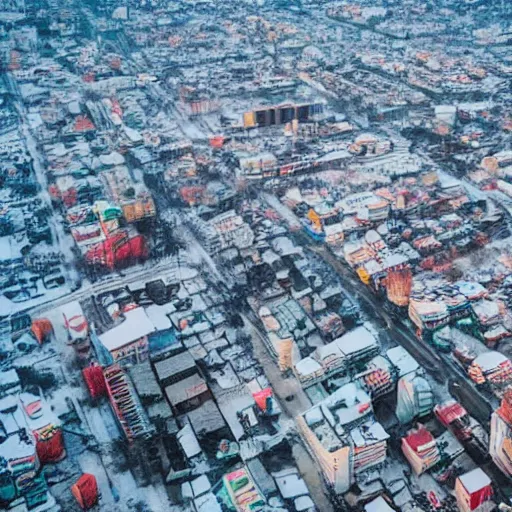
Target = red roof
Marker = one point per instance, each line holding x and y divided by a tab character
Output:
261	398
449	412
93	376
419	437
85	491
116	249
83	124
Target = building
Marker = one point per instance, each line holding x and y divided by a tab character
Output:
343	436
128	341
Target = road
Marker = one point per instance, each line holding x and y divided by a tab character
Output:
166	269
289	386
442	369
476	403
55	223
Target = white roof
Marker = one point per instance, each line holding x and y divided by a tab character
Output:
71	309
378	505
346	403
368	433
14	448
113	158
284	246
188	441
403	361
490	360
9	250
307	366
333	229
9	377
201	485
290	484
303	503
135	325
475	480
356	340
6	306
331	349
334	155
207	503
158	316
132	134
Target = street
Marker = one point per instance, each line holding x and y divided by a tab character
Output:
476	404
284	387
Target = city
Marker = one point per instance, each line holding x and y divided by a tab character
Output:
256	255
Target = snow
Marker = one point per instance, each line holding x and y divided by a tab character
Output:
303	503
284	246
71	309
9	378
200	485
330	350
47	417
188	441
13	448
334	155
378	505
352	399
373	431
284	212
158	317
290	484
490	360
307	366
113	158
6	306
135	325
207	503
9	250
402	360
475	480
186	491
356	340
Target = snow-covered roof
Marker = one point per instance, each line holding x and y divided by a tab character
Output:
475	480
159	317
233	400
348	403
135	325
378	505
186	389
206	419
207	503
356	340
9	378
402	360
303	503
290	484
113	158
188	441
307	366
200	485
14	448
368	433
490	360
174	365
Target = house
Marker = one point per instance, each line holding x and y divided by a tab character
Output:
188	393
128	341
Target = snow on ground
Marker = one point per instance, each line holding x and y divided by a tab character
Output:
101	423
283	211
64	241
91	463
